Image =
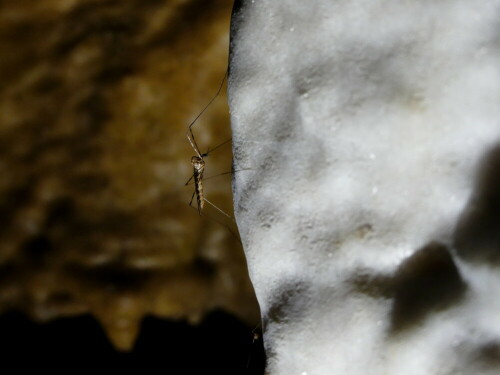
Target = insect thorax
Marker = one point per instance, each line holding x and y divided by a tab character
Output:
198	163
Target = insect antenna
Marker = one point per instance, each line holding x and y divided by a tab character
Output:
215	148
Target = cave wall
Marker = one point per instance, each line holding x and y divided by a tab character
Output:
368	210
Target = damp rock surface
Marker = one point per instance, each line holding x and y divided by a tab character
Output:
95	99
369	133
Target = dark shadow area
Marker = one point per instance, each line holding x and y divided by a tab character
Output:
477	236
221	344
236	20
289	299
489	354
425	283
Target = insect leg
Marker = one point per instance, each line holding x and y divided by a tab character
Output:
218	209
188	181
193	142
233	233
217	175
189	133
216	147
192	197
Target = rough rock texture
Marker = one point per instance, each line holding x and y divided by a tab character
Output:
95	97
370	215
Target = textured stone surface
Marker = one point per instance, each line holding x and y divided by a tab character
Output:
95	97
370	214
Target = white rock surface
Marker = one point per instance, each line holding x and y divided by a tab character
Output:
370	216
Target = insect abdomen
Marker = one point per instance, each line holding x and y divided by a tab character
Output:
198	187
199	167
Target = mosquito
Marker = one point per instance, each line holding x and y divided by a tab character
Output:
255	338
198	161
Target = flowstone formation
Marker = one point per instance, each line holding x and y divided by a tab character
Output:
369	212
95	99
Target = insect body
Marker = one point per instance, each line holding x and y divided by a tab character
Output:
198	168
198	161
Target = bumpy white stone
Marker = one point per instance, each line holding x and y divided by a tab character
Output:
368	138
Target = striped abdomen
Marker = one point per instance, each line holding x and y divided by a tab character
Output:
199	167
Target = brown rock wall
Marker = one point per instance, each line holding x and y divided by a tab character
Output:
95	97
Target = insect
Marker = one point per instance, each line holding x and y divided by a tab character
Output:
198	161
256	335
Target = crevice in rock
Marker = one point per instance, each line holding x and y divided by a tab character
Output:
477	236
425	283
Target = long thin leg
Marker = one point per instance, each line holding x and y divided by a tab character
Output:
222	174
190	178
210	102
193	143
218	209
192	197
221	223
189	133
217	175
216	147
